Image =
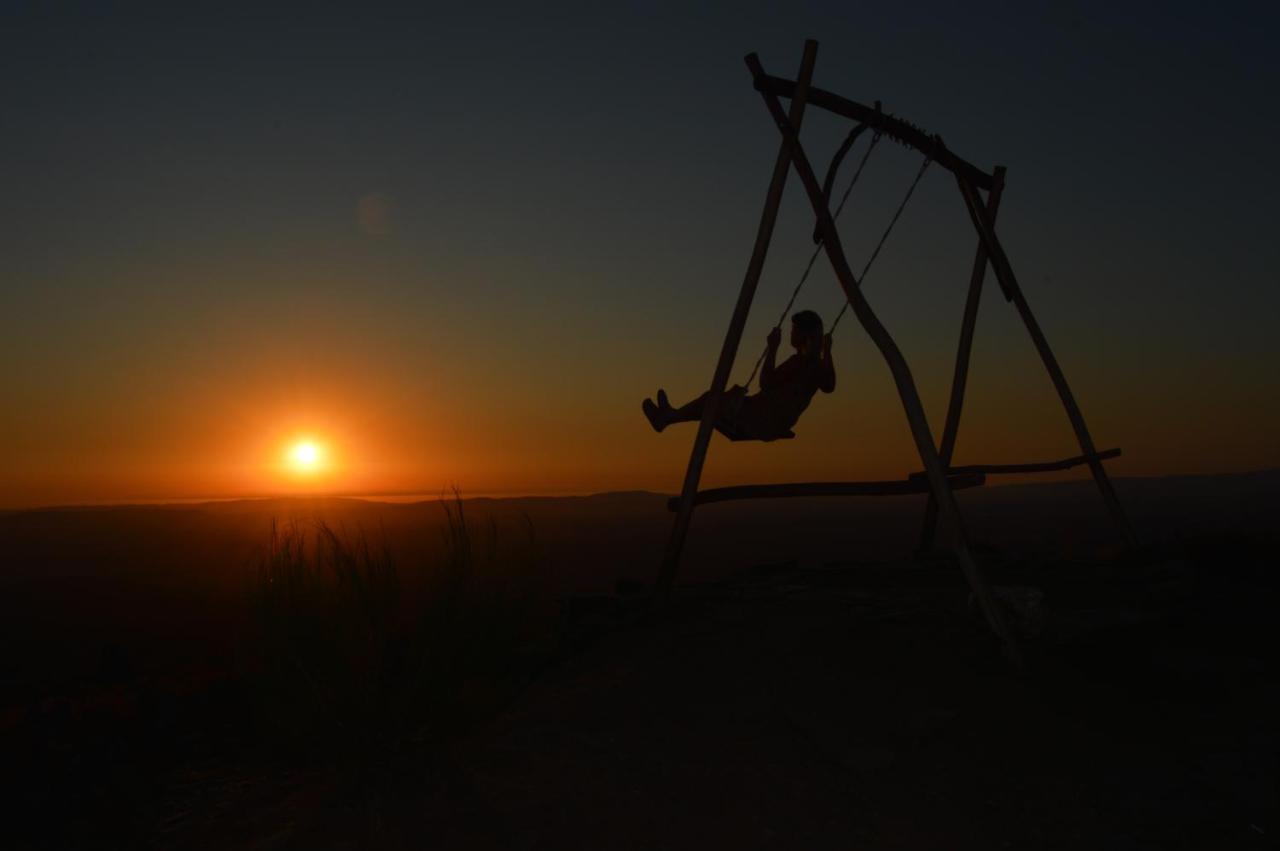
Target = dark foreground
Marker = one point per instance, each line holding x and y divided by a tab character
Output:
826	704
857	706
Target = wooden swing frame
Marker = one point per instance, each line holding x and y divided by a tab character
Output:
938	478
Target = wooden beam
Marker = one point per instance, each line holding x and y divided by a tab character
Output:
1037	467
729	350
896	128
897	364
895	487
960	377
1004	272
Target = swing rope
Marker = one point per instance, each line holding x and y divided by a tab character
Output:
817	249
924	166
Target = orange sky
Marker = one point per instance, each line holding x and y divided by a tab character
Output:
213	417
196	390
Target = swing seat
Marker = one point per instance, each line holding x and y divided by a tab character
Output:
732	425
741	424
739	437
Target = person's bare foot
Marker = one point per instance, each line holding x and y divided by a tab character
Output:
654	415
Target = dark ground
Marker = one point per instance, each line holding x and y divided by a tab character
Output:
790	697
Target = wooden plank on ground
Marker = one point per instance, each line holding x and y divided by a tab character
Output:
1036	467
896	487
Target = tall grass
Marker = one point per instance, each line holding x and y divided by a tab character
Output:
361	661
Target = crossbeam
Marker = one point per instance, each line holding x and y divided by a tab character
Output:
896	487
892	126
1037	467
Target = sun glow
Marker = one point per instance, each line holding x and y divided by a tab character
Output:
306	456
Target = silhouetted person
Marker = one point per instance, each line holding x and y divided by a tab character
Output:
785	390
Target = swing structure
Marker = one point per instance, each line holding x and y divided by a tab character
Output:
938	478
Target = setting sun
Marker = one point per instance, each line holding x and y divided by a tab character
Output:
306	456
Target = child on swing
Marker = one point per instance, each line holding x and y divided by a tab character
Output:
785	390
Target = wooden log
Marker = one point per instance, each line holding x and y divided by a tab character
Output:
729	350
1036	467
897	364
960	377
896	487
1004	272
896	128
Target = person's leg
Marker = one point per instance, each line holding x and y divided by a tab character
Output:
731	400
689	412
662	414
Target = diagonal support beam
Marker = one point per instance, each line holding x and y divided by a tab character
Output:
729	351
897	365
1004	272
960	378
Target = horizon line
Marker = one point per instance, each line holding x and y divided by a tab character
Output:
413	497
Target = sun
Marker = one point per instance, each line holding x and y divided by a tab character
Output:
306	456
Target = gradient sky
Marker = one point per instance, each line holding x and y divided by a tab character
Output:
460	247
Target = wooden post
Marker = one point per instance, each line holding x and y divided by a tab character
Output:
897	366
961	377
764	233
1004	272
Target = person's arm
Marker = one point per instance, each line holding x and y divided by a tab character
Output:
770	358
827	377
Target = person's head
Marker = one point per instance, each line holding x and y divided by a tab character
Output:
806	331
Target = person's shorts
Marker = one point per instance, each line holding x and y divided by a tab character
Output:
742	417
